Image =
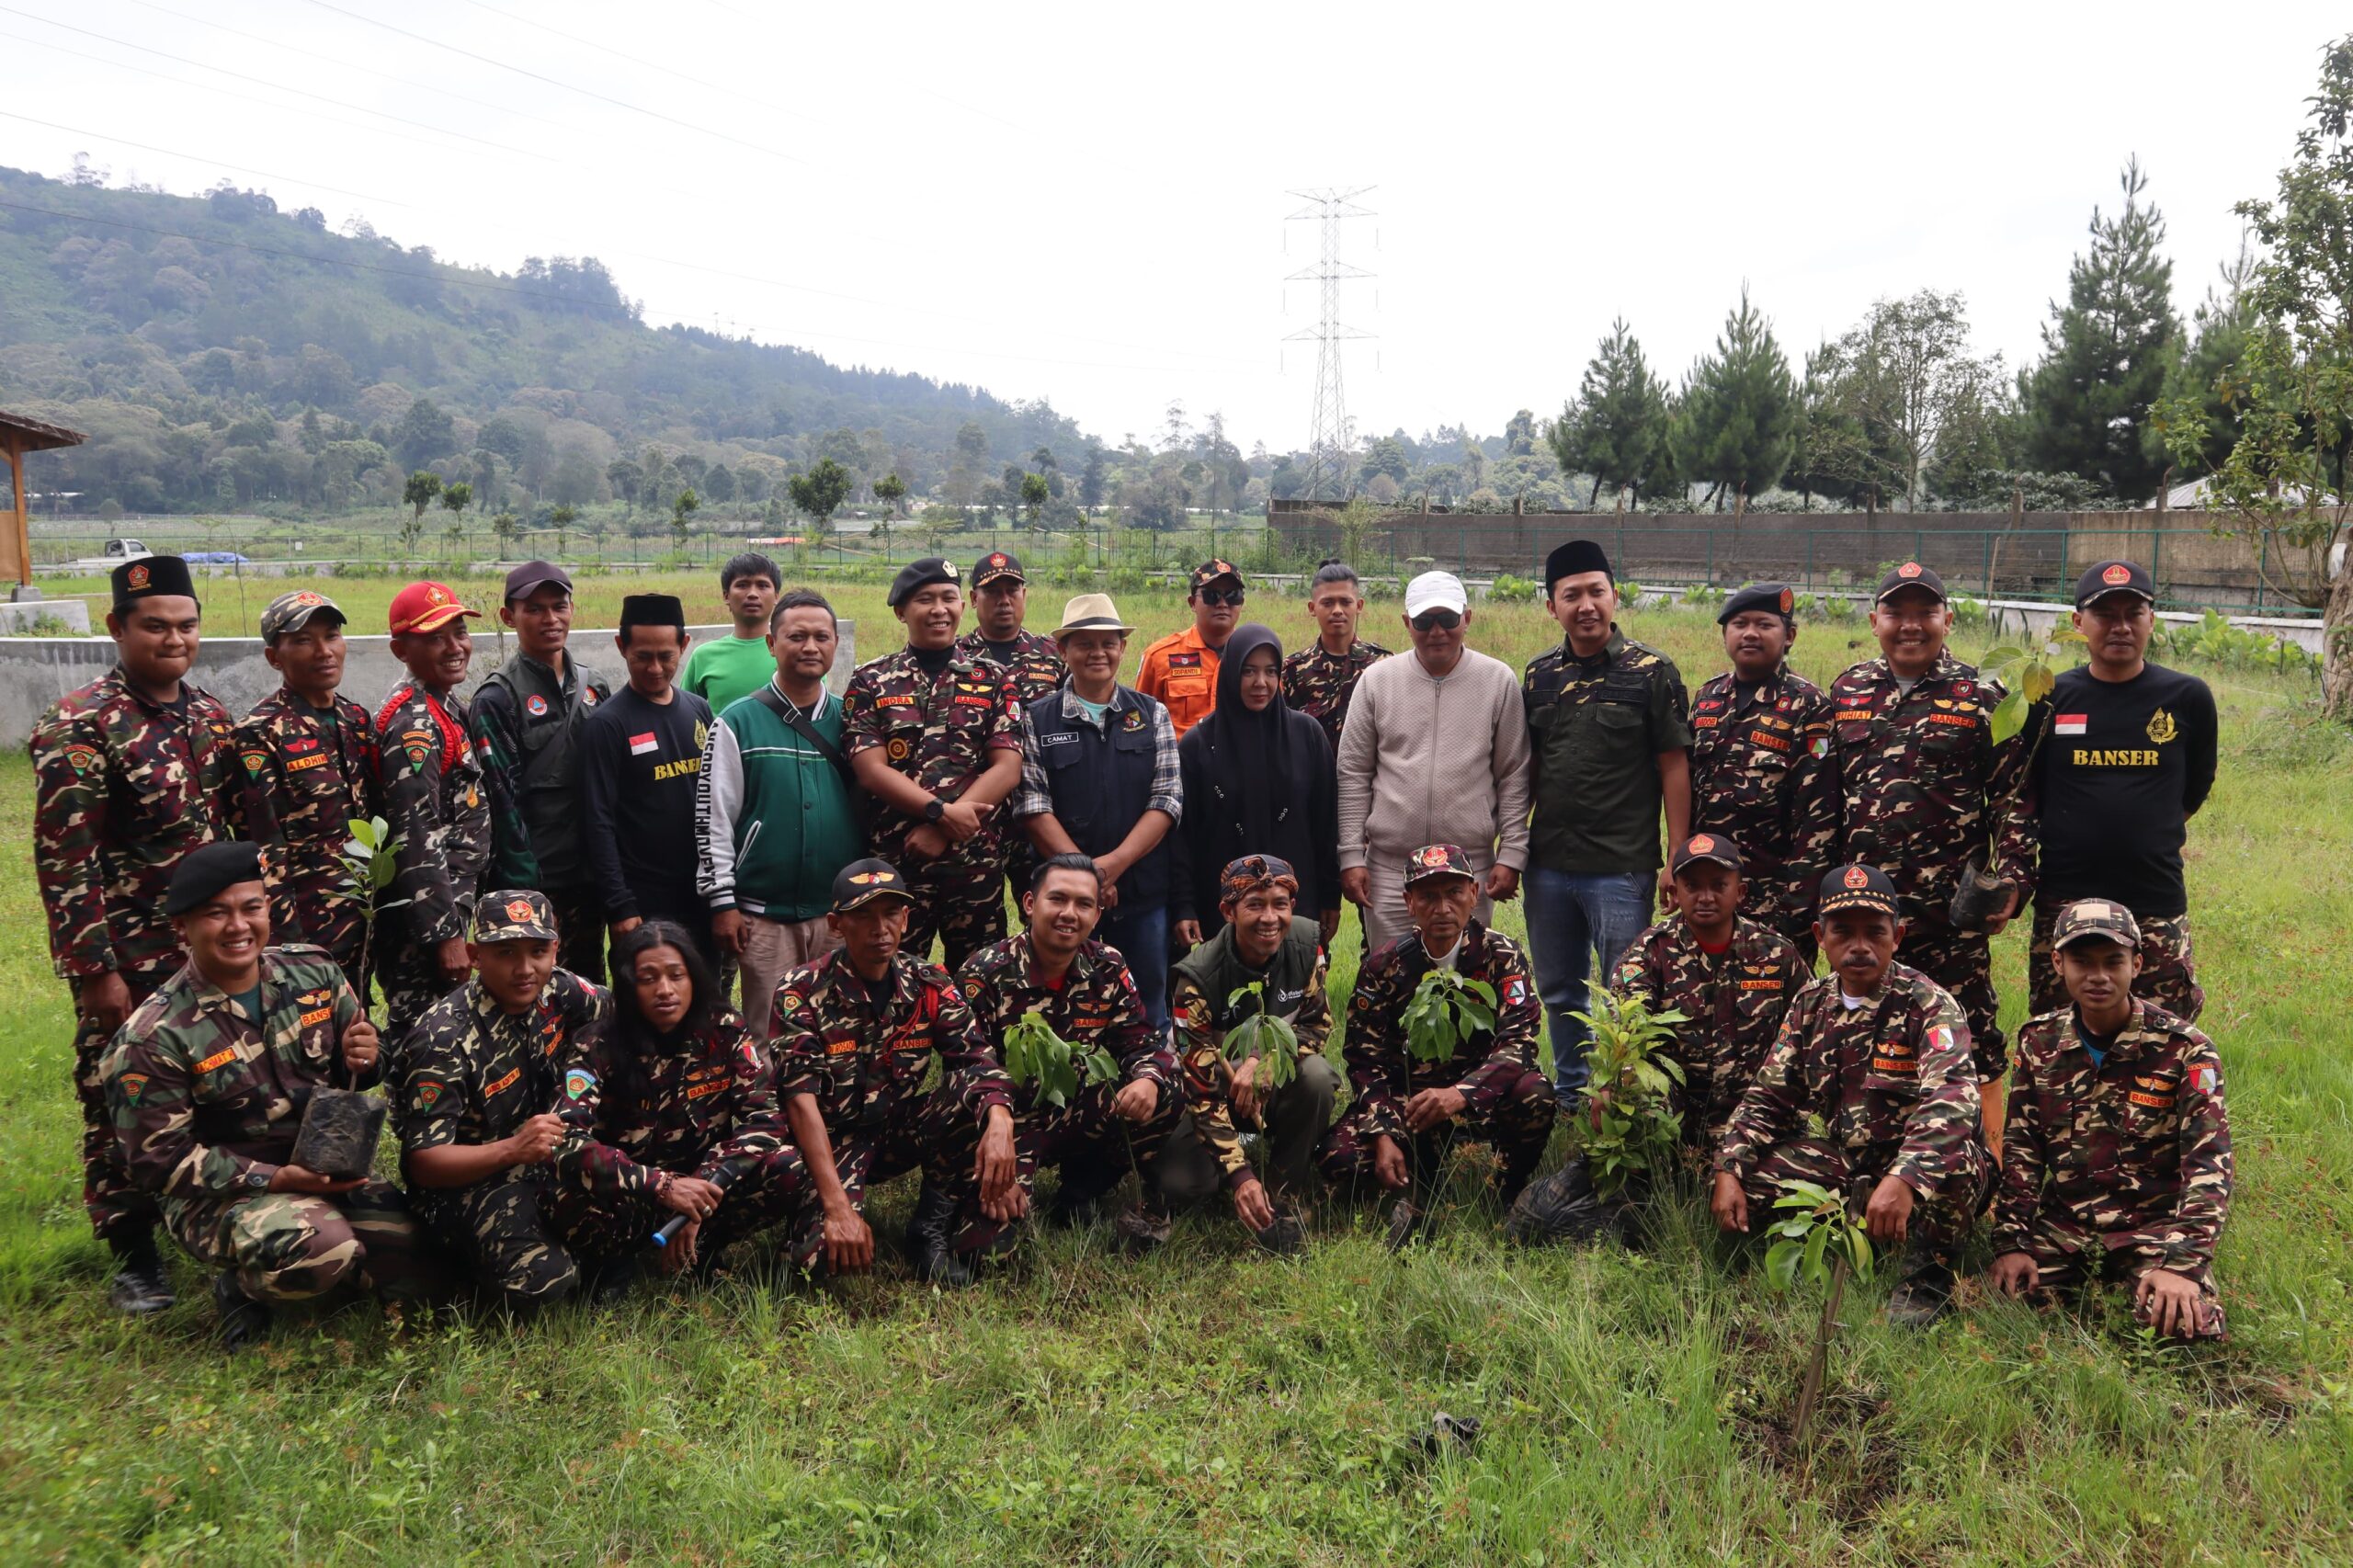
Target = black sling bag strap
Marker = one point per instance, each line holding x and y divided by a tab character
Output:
774	701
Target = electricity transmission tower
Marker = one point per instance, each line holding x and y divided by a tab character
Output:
1328	445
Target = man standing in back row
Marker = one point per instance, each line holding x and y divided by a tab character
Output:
1179	672
2130	760
640	760
1319	680
1000	629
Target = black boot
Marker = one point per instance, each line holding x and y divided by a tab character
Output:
936	1261
244	1321
1925	1293
140	1286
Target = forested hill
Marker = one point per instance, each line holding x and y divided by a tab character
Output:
220	351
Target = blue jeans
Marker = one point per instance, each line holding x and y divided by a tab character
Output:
1141	936
1570	919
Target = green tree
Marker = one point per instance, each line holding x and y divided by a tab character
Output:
457	496
425	432
719	485
1617	424
1829	454
1035	493
422	487
682	508
1740	411
2107	353
1093	477
1387	456
820	492
504	528
891	490
1909	372
2218	329
561	518
626	480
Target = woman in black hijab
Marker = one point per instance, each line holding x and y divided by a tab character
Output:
1258	780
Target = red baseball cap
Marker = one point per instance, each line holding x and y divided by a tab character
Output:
427	607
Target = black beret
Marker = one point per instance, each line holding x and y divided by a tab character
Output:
652	609
1777	597
1568	560
205	870
917	576
150	577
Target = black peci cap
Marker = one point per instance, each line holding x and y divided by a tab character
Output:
652	609
1568	560
151	577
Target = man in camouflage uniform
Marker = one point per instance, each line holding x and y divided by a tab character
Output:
1875	1056
310	761
677	1115
1760	776
129	773
934	737
1924	789
1409	1111
1085	993
1265	943
435	803
999	634
478	1087
2117	1159
855	1036
208	1083
1730	977
1319	680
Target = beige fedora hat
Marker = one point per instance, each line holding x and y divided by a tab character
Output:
1091	612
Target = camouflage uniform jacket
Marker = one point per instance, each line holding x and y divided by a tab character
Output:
471	1072
123	787
1319	684
1036	667
434	800
1892	1082
1734	1000
682	1108
303	787
937	732
1294	980
2132	1154
208	1101
1097	1005
1384	1074
1760	777
1921	784
865	1051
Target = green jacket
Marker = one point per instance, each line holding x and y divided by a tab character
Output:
773	818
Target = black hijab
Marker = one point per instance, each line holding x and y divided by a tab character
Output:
1251	762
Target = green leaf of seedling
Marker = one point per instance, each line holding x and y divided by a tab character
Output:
1815	1244
1781	1264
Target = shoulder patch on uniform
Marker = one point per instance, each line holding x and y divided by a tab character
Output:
132	1083
579	1083
427	1092
80	758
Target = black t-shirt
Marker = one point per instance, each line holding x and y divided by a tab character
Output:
639	764
2117	777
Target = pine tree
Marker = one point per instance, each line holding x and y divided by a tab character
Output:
2106	354
1739	410
1829	454
1616	425
2216	345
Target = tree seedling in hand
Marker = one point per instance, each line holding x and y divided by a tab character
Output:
1034	1053
1263	1034
1820	1243
371	859
1629	1122
1446	1011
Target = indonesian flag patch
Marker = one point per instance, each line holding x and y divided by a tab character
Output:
2070	723
640	744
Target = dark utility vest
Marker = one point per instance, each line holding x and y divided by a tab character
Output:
1217	968
1100	781
548	773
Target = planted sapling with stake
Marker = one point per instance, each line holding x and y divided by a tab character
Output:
1821	1243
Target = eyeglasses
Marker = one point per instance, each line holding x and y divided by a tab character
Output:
1437	621
1222	596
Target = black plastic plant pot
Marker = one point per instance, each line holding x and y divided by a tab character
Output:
339	1132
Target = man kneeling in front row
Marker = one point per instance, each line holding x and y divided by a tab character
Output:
1879	1054
207	1081
2143	1197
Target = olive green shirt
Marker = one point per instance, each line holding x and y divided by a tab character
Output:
1597	728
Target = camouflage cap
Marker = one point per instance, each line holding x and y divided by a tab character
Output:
1435	860
1711	848
1210	572
1251	872
515	915
291	612
1857	887
2090	918
861	883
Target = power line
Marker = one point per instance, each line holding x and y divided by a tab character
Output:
637	59
566	86
198	157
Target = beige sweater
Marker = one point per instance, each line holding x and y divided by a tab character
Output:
1425	761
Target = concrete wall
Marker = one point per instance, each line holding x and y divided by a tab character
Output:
37	671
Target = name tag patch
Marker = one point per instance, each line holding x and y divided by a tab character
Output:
504	1084
218	1059
315	1015
1044	741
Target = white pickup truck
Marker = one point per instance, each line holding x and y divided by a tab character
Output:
118	552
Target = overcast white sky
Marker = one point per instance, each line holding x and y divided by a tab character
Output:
1086	202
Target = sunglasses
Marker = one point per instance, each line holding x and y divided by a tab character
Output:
1222	596
1437	621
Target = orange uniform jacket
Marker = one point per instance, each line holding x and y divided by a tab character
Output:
1180	670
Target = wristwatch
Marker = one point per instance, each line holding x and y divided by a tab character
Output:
935	810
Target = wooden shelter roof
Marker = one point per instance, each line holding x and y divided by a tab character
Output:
36	436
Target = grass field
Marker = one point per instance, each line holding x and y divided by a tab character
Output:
1213	1406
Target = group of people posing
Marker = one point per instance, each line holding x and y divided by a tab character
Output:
1180	849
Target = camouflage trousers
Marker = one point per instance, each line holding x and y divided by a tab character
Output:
500	1229
1961	962
601	1226
1291	1124
937	1135
580	920
119	1211
1092	1145
409	974
1520	1126
289	1247
2168	966
1786	908
961	903
1940	1220
2077	1262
